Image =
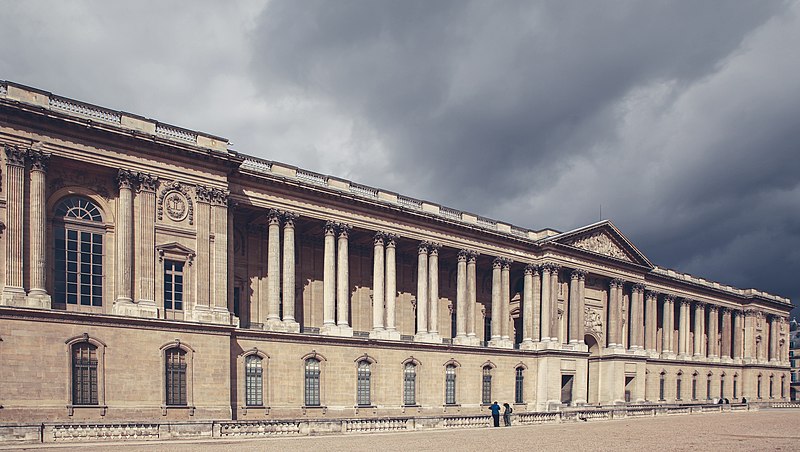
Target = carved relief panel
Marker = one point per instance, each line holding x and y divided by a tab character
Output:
174	205
600	243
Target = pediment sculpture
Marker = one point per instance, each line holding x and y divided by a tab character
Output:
601	244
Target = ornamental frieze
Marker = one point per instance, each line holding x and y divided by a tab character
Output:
174	199
601	244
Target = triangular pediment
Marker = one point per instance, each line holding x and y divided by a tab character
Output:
175	248
604	239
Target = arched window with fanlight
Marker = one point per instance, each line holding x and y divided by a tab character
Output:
78	252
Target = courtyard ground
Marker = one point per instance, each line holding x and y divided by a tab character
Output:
765	430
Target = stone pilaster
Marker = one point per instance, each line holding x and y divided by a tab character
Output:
555	269
461	298
614	313
13	290
683	329
668	325
146	238
472	297
378	289
497	333
651	327
581	322
725	341
422	292
713	334
219	261
536	308
329	277
433	293
38	296
575	329
274	271
738	333
289	321
231	266
391	286
527	308
545	317
699	329
637	317
343	282
505	300
773	339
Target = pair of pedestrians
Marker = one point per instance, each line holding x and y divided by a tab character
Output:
507	410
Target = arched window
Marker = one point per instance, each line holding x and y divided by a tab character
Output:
450	384
175	373
253	380
758	388
661	381
519	395
364	375
78	250
722	386
708	387
735	386
84	374
678	382
783	385
771	380
694	386
486	393
410	384
312	382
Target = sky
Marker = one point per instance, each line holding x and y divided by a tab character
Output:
679	120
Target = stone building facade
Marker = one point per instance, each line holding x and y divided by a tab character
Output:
152	273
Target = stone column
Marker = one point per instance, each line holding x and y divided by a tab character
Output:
537	305
422	291
146	235
749	345
289	321
472	297
274	270
651	328
574	328
219	267
683	329
236	321
461	298
38	297
713	323
545	318
726	334
737	334
581	322
201	307
13	290
391	286
669	310
329	276
343	281
527	308
615	287
497	334
773	339
505	292
636	325
433	293
378	289
699	328
554	284
124	238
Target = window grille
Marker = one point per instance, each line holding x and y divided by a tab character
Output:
254	381
78	253
84	374
173	285
363	385
312	382
176	377
519	386
410	384
450	384
486	393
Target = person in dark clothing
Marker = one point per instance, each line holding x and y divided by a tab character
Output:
507	410
495	413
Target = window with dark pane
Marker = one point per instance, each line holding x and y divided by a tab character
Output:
173	285
254	380
486	393
84	374
519	396
175	376
78	253
363	383
312	382
410	384
450	384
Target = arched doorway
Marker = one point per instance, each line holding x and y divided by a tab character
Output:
593	370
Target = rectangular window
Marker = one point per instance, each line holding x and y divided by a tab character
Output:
78	267
519	386
735	388
450	385
173	285
708	389
84	374
254	381
661	388
694	388
678	389
176	377
486	393
566	388
410	385
312	382
363	384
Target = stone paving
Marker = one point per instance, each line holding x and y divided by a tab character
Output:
741	431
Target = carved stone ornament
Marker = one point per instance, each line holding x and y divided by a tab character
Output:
601	244
593	321
175	201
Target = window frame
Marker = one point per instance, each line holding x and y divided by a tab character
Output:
364	387
486	384
410	382
519	384
189	375
100	349
242	382
451	383
312	382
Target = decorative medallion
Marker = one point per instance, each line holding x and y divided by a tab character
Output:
176	206
601	244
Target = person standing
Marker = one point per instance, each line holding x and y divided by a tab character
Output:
507	410
495	413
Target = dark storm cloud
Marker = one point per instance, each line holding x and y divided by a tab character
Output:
678	117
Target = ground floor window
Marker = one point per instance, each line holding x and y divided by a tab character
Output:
486	393
312	382
410	384
363	385
450	385
175	376
254	381
84	374
519	385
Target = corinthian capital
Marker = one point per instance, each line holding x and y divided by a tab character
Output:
219	197
203	194
127	179
14	155
147	182
274	217
39	159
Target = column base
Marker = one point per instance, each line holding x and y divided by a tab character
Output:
36	301
528	345
13	296
291	326
467	340
283	326
431	338
336	330
127	308
501	343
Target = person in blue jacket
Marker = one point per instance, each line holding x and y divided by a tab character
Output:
495	413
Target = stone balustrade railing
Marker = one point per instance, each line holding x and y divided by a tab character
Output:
90	431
